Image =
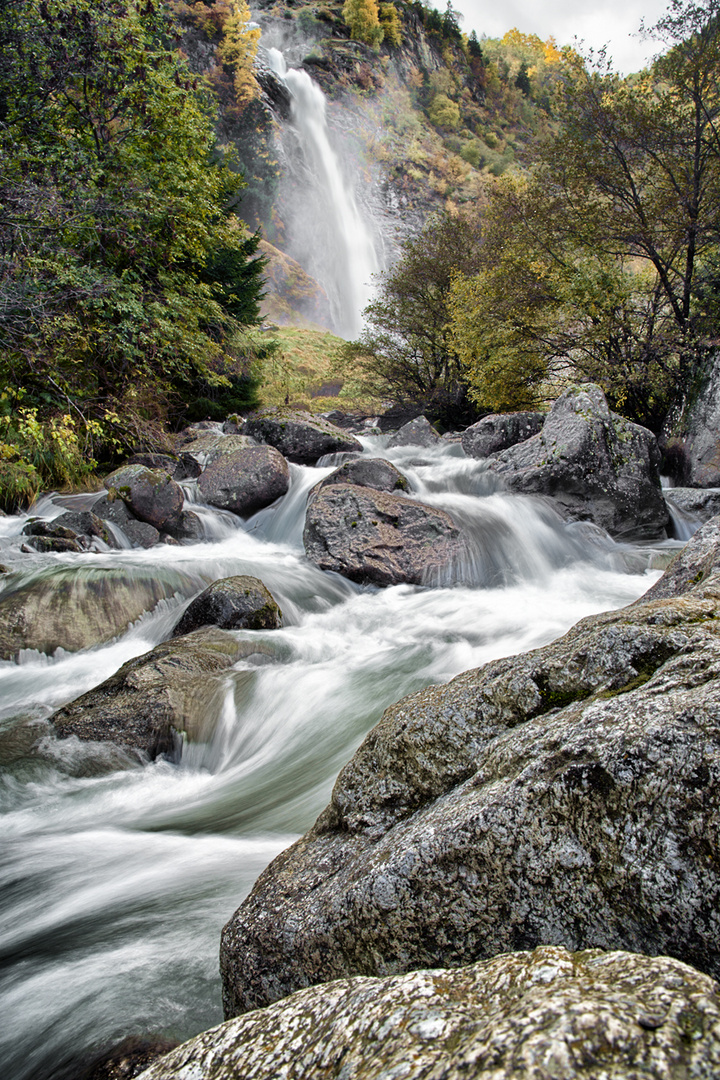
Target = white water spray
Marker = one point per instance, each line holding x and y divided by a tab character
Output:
341	255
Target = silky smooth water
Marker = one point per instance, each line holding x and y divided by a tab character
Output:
117	878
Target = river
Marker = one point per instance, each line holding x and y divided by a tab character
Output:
117	878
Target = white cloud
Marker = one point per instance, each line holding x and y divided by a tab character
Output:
610	22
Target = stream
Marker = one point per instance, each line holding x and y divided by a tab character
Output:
117	878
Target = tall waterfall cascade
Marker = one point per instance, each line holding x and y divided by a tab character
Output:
327	234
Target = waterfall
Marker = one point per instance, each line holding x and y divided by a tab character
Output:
328	235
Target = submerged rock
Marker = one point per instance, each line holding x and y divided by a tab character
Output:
155	697
568	796
235	603
373	537
152	495
417	432
500	431
299	436
594	464
541	1015
73	610
245	480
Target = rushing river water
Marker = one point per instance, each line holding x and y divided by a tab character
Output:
116	879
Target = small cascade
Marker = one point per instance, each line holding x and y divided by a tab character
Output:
328	236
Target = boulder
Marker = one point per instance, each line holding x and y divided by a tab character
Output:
366	472
138	533
235	603
170	691
71	531
568	796
177	467
703	503
548	1014
73	610
500	431
376	538
152	495
299	436
692	452
594	464
417	432
245	480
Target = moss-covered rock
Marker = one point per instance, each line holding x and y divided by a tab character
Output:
235	603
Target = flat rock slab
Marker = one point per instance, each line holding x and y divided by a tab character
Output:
74	609
567	796
241	602
500	431
154	697
594	464
245	480
299	436
542	1015
377	538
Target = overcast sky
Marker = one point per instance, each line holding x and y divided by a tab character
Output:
604	22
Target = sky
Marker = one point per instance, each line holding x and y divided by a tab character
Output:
605	22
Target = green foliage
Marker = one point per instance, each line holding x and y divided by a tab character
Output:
444	113
363	19
405	351
123	271
391	25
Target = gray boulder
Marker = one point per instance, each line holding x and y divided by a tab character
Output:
138	533
500	431
692	451
594	464
245	480
418	432
702	503
235	603
152	495
299	436
71	531
376	538
568	796
366	472
75	610
171	691
542	1015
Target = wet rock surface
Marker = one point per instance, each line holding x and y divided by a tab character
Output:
235	603
366	472
245	480
153	698
533	1015
71	531
703	503
500	431
299	436
693	450
73	611
417	432
594	464
567	796
374	537
138	533
151	494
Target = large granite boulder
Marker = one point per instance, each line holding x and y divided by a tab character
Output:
568	796
692	450
76	610
235	603
153	699
594	464
366	472
542	1015
152	495
299	436
417	432
377	538
500	431
245	480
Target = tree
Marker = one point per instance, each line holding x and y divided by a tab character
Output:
123	270
362	16
606	249
405	352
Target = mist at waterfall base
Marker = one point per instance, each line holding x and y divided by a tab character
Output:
116	878
324	230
